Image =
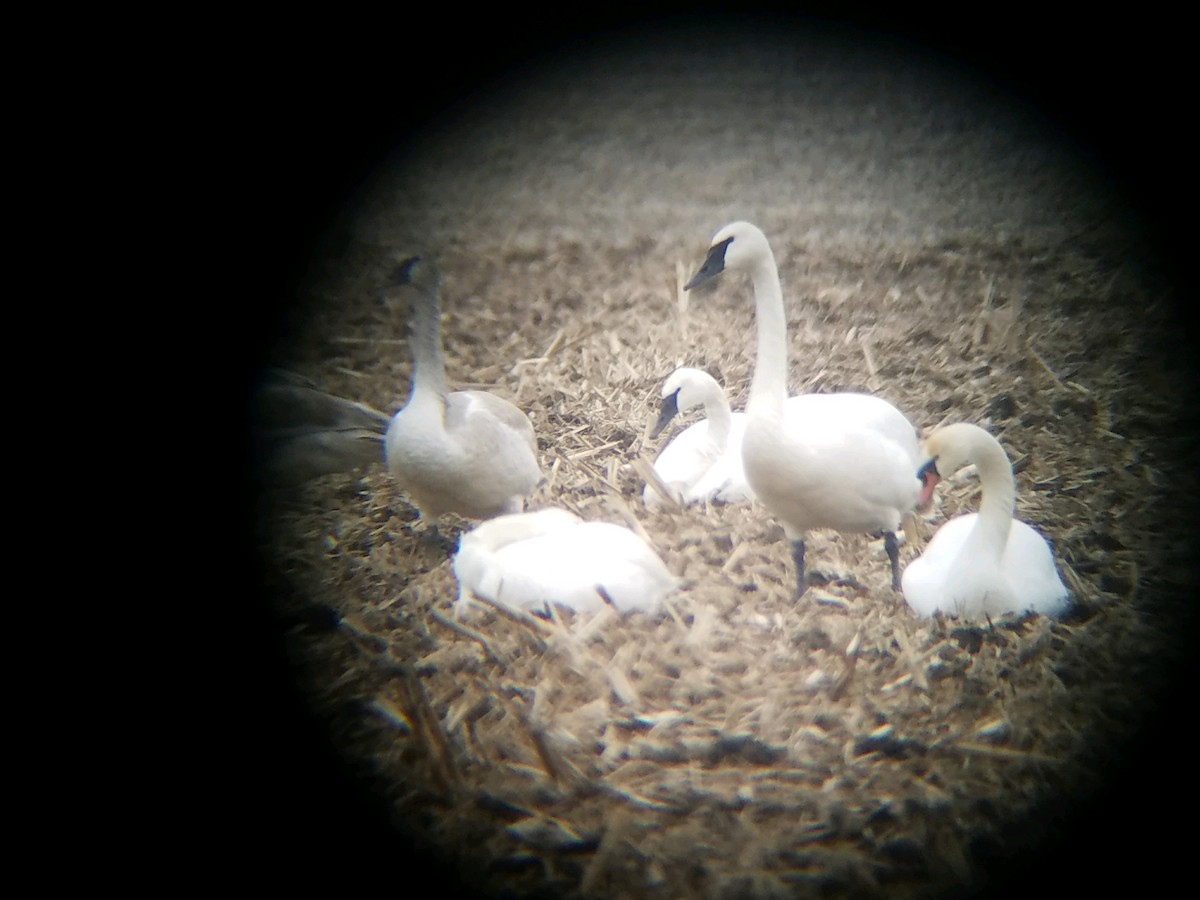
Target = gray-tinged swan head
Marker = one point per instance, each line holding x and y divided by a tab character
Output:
415	271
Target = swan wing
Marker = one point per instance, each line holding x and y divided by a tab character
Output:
850	480
1032	573
725	480
953	576
479	414
814	414
297	458
928	581
478	459
289	403
684	462
576	566
628	570
301	432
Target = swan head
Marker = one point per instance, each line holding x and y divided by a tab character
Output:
739	245
683	389
947	450
416	271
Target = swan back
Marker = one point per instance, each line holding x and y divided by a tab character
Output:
984	563
808	416
529	560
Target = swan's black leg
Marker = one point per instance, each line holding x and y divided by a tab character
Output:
798	559
892	546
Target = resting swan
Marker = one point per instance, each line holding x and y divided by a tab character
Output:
841	461
467	452
984	563
704	461
528	560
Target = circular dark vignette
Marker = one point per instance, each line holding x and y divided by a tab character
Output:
1113	108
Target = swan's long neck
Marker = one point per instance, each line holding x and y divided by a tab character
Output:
716	409
768	390
999	494
425	340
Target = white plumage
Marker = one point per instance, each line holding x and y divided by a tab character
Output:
529	560
841	461
468	452
704	461
984	563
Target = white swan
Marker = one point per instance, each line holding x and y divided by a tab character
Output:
704	461
984	563
841	461
528	560
467	452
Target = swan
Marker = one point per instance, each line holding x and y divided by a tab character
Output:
841	461
703	462
467	452
528	560
301	432
984	563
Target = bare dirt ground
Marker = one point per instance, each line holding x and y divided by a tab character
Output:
939	246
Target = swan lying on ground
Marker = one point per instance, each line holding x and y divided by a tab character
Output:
528	560
704	461
301	432
985	563
841	461
467	452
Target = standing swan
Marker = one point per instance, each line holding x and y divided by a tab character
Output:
841	461
467	452
984	563
704	462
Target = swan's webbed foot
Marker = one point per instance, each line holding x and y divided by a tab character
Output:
798	559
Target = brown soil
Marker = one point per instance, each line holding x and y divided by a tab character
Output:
940	247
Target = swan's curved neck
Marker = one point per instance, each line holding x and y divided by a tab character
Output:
768	390
999	493
425	340
716	409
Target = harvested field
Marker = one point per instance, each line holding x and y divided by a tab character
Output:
939	247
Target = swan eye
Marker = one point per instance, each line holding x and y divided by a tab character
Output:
714	264
930	468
